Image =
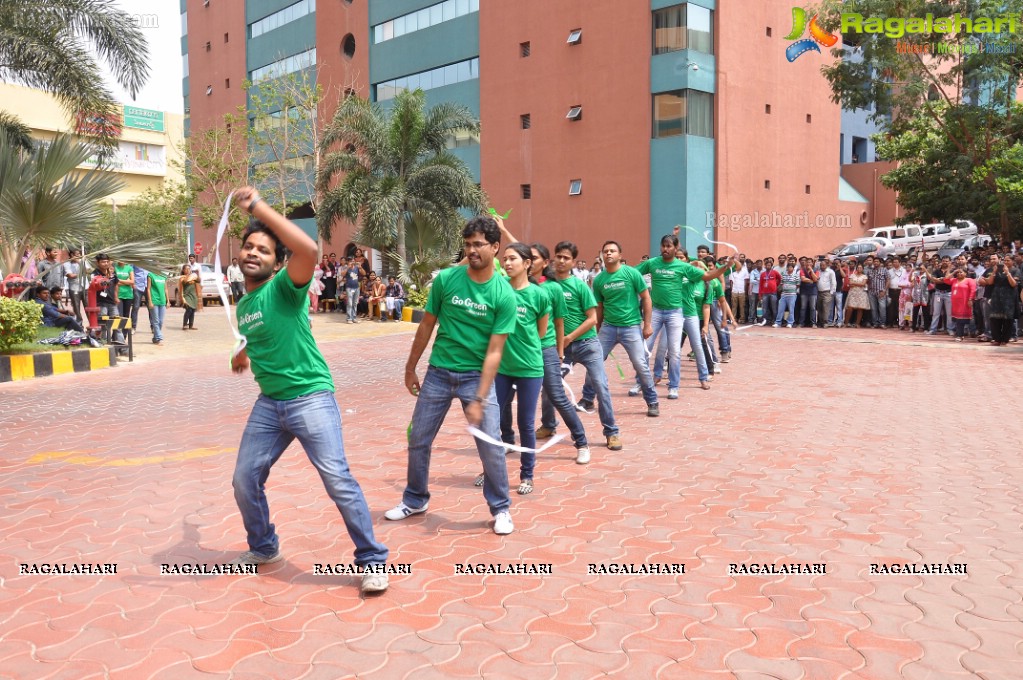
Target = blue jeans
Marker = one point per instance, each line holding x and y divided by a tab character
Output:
554	397
691	325
788	302
835	314
769	302
439	387
752	301
724	336
590	354
942	300
352	298
527	391
314	419
807	309
670	321
156	316
879	308
631	338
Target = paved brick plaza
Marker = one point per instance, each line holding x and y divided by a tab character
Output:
844	448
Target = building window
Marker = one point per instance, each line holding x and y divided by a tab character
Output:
461	139
424	18
209	90
768	31
767	184
575	187
208	46
767	108
227	83
295	62
527	191
683	27
808	119
575	113
284	16
575	36
683	112
184	24
428	80
226	38
184	65
348	46
524	49
807	188
525	121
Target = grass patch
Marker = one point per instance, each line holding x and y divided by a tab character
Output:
41	334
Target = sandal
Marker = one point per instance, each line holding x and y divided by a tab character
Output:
479	480
526	486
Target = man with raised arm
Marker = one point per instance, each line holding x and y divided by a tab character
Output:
296	390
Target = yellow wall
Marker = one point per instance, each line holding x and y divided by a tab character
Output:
46	117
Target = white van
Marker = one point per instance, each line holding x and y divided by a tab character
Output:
904	240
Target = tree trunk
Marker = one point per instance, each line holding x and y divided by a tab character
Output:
400	240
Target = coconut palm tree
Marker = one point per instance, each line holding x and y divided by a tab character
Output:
395	165
52	45
45	199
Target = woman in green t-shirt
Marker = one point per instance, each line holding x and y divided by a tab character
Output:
521	369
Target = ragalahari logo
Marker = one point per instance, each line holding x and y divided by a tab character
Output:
817	35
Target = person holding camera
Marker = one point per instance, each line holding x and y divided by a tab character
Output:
1001	291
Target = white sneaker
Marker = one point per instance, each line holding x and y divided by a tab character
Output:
401	511
582	456
373	582
717	369
503	523
248	557
672	393
634	392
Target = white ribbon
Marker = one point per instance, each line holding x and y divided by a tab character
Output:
708	239
483	436
571	394
240	340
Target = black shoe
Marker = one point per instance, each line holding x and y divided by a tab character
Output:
584	405
653	410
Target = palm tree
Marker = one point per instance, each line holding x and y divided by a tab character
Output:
52	45
395	166
45	200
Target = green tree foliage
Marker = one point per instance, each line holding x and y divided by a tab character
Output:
155	215
953	102
216	162
56	45
391	165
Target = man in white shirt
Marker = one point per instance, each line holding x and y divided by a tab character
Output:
236	280
740	287
826	286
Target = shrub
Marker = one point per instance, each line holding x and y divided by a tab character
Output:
417	297
19	322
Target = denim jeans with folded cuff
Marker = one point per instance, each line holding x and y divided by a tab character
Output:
438	388
315	420
631	339
554	397
590	354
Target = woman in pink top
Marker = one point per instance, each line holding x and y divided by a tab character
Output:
964	292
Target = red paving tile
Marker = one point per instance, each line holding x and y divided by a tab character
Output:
823	463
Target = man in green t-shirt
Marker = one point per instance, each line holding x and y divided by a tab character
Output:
125	288
582	346
616	290
156	300
297	391
475	308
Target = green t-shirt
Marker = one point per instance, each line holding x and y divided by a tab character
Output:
523	356
618	292
668	281
578	300
699	292
158	289
125	273
283	355
716	289
468	313
557	311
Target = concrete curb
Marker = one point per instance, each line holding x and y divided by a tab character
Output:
27	366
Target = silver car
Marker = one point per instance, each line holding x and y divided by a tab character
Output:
957	246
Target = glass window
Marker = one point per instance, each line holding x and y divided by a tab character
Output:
184	65
464	71
575	187
474	5
412	22
378	33
688	112
184	24
423	18
669	112
474	67
699	29
670	29
462	7
436	15
388	30
449	9
401	84
451	74
413	81
426	80
700	113
399	26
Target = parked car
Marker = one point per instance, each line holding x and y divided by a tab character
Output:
957	246
860	249
909	238
883	247
209	283
904	239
